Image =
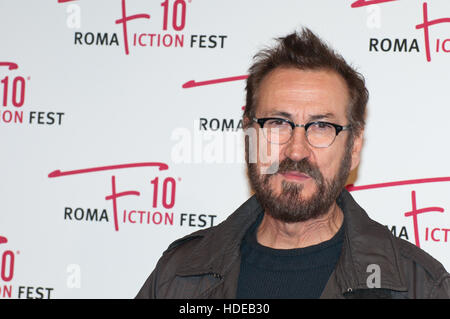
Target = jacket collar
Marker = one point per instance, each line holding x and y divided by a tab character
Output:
366	244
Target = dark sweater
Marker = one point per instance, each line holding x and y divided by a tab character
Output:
286	273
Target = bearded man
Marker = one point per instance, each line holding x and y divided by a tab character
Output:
301	235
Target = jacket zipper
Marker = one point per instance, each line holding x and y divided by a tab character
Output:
217	276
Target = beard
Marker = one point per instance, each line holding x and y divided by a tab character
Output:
290	206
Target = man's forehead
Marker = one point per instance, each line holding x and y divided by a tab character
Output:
313	93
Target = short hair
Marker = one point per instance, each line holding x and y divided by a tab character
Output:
306	51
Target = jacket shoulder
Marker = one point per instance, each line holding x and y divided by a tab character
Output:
180	242
430	274
158	284
413	254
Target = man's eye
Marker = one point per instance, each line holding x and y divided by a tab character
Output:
276	122
322	126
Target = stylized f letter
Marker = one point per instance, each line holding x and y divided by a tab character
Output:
124	21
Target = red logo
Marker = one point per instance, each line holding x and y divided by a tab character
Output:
163	194
442	45
13	93
415	212
172	35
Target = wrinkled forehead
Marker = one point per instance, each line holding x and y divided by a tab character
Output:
301	94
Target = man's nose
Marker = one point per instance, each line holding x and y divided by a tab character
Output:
298	148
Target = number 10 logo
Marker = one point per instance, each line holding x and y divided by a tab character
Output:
178	14
7	263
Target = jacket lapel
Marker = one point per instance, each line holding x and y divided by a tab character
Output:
369	257
218	253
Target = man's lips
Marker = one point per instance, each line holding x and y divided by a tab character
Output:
296	176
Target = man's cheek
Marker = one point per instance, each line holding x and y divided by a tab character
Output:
268	155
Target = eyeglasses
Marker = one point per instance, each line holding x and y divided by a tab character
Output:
318	134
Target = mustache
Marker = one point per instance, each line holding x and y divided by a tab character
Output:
303	166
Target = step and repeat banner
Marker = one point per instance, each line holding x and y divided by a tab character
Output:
121	131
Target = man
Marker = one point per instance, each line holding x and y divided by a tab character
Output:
301	235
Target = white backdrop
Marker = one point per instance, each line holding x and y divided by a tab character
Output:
110	152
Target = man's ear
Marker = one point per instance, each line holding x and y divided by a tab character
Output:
246	121
356	150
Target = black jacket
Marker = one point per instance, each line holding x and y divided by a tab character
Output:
206	264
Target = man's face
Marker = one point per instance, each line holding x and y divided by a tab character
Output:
308	179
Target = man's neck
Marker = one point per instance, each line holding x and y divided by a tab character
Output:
280	235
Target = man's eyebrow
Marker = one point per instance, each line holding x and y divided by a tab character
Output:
313	117
316	117
281	113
